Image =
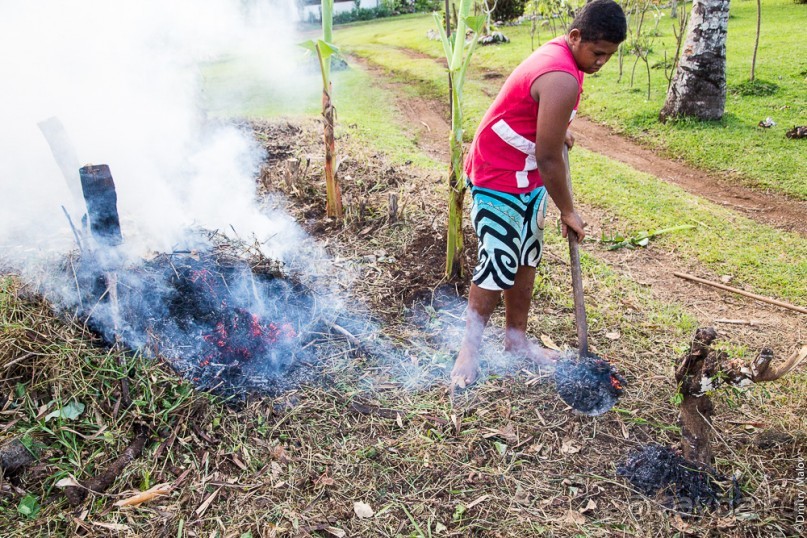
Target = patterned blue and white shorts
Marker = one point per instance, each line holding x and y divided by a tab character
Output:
510	228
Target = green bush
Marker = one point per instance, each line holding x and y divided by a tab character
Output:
508	10
386	8
757	88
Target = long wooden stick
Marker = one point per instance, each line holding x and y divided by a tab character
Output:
742	292
577	292
577	275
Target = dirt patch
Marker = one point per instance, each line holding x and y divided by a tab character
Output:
429	124
426	119
422	56
764	207
653	267
429	121
397	254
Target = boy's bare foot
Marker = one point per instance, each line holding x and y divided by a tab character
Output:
466	370
541	356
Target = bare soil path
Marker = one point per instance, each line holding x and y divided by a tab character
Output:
429	122
765	207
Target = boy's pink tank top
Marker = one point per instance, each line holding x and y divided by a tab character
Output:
502	155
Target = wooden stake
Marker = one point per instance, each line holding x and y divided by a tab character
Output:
742	292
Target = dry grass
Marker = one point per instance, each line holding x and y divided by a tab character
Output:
506	458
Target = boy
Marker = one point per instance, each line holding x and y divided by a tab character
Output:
515	160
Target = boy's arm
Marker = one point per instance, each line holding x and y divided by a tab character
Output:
556	94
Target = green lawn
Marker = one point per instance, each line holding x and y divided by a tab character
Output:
759	257
232	88
734	145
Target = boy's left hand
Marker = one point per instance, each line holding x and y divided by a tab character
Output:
569	140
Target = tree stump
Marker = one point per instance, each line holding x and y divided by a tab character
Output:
703	370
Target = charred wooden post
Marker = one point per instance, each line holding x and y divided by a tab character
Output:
696	407
98	188
703	370
99	192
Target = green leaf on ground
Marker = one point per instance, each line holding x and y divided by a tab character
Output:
29	506
71	411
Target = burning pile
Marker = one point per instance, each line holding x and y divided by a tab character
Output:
589	384
213	317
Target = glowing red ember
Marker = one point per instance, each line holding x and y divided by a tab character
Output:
241	335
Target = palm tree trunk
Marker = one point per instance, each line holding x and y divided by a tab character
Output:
699	86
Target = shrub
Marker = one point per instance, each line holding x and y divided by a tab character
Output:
757	88
508	10
386	8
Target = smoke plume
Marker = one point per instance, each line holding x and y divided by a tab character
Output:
125	79
123	83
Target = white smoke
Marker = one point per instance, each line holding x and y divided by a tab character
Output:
125	79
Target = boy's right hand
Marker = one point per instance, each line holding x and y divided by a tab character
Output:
575	222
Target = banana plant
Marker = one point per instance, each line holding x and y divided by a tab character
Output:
324	49
458	54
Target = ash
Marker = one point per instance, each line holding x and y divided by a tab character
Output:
590	385
227	323
684	486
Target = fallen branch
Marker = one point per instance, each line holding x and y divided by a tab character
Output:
344	332
378	411
749	322
742	292
99	484
394	414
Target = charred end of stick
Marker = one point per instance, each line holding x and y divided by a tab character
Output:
98	188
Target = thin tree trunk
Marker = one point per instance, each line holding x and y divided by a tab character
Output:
448	34
756	40
699	86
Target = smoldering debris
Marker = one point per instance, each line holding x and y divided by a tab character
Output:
678	484
223	320
589	384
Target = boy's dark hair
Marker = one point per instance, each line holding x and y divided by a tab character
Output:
601	20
